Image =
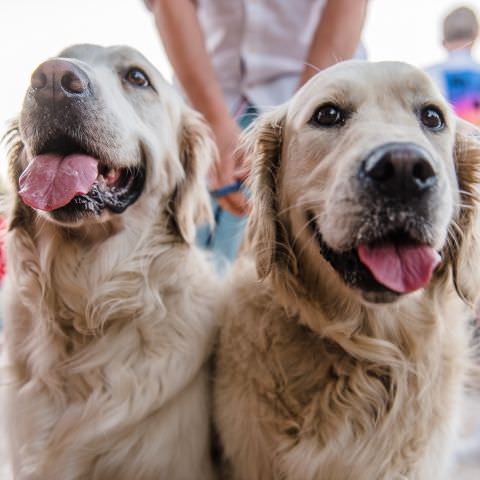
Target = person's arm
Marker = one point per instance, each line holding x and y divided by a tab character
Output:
184	43
336	37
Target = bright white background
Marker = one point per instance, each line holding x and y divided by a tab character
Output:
33	30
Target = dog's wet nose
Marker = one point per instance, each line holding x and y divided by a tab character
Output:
400	169
59	78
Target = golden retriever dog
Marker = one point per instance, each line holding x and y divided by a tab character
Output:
109	306
343	356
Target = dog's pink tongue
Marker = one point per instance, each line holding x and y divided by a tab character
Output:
401	268
51	181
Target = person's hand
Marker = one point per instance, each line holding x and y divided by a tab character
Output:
229	167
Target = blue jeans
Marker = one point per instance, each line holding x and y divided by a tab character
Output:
224	240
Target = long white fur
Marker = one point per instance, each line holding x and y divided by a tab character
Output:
109	327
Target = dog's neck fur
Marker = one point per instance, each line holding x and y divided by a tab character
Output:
402	329
89	320
412	356
90	255
71	279
340	369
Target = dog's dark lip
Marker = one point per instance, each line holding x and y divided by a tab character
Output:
115	189
347	262
61	144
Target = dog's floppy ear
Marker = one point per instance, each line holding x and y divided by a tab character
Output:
463	247
263	144
190	203
20	216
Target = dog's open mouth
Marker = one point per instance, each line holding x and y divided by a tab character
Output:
395	262
67	180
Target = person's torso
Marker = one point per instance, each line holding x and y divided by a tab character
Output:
459	80
258	47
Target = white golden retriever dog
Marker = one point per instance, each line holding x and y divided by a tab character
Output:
346	360
109	307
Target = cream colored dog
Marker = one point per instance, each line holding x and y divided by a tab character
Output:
344	357
110	307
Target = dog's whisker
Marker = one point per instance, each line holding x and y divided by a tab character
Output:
312	66
304	203
305	245
464	206
474	195
306	225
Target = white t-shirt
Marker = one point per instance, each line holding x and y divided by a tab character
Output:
258	47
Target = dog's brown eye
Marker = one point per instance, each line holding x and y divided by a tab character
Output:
432	118
137	77
328	116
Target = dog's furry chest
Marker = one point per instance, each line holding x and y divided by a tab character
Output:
315	396
304	376
110	349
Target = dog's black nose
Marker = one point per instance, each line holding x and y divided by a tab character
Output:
399	169
59	78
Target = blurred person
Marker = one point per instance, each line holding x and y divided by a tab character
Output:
236	58
459	76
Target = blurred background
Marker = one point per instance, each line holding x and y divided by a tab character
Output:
33	30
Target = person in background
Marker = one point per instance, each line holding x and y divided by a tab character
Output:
236	58
459	76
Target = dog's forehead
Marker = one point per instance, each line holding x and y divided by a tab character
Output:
114	55
353	82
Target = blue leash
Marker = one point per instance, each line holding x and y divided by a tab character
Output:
227	189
